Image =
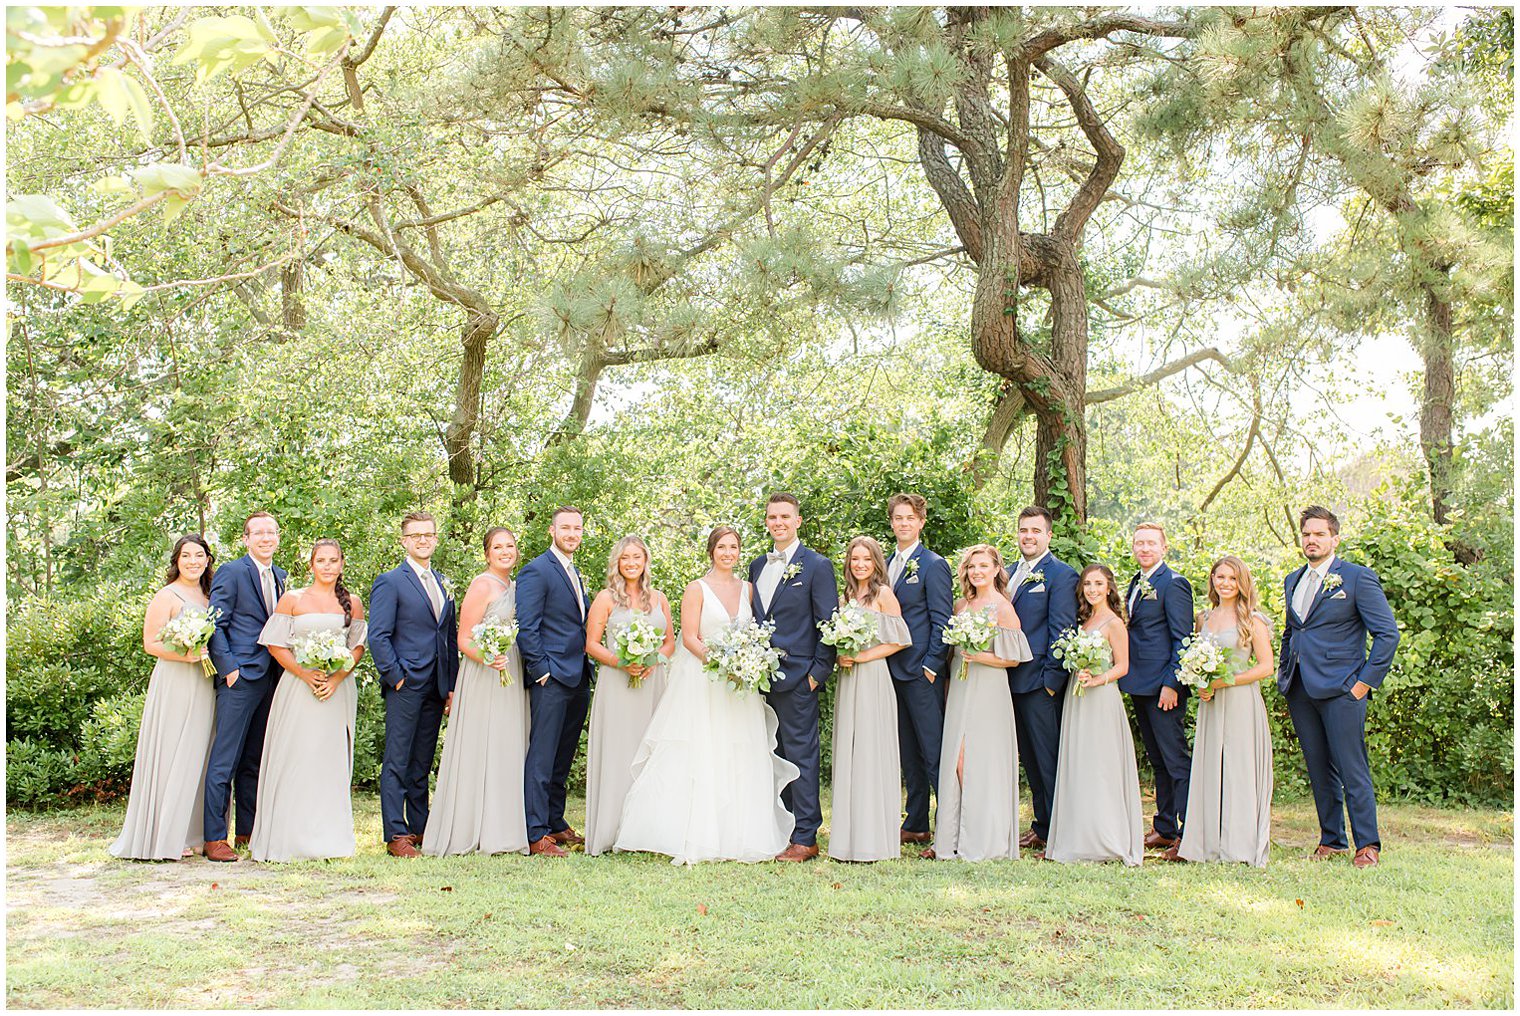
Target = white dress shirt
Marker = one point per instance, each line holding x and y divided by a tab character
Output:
1135	593
899	562
770	576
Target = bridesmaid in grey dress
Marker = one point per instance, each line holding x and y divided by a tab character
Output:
1095	814
305	809
478	805
867	800
620	712
1229	816
163	820
979	759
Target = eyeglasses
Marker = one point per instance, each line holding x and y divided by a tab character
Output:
420	536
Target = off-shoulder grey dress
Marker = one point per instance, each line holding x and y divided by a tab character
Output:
169	771
619	717
1095	815
478	805
867	799
306	810
1229	816
979	820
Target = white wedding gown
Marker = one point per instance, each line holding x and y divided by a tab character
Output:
706	780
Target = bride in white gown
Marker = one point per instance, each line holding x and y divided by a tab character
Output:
706	780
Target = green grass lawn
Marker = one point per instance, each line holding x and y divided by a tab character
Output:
1432	926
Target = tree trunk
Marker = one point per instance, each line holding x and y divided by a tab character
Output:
1436	422
292	308
1060	478
476	332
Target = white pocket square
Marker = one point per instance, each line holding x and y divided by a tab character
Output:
910	580
797	585
1037	589
1337	596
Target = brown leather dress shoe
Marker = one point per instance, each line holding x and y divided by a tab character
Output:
1027	838
1155	841
1324	853
907	837
239	842
1170	854
927	853
1367	857
547	847
798	852
402	846
567	837
217	850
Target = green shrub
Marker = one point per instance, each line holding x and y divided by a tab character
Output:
37	775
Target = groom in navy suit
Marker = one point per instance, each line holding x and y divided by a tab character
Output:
795	588
1327	672
551	619
413	639
1044	593
922	583
245	591
1160	607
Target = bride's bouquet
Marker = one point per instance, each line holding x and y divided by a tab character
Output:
970	632
1203	662
1081	650
639	643
850	630
325	650
492	639
191	630
743	656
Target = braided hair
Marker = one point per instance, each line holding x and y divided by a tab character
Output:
345	600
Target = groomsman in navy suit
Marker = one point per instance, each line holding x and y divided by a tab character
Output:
1160	607
551	620
1326	673
413	639
795	587
245	591
921	581
1044	593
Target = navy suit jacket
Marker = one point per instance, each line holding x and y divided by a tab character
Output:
405	640
1328	649
235	643
1156	630
1045	610
927	598
551	630
800	603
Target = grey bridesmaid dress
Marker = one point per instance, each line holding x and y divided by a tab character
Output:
478	805
1095	815
1229	816
306	809
169	771
867	800
979	821
619	717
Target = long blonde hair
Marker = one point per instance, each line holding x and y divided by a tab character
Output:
999	574
878	577
615	583
1246	602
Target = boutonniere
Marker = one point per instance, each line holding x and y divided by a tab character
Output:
1147	591
1034	577
1332	582
446	585
792	571
911	568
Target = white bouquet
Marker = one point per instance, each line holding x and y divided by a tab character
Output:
492	639
325	650
1082	650
1203	662
850	630
639	642
743	656
970	632
191	630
